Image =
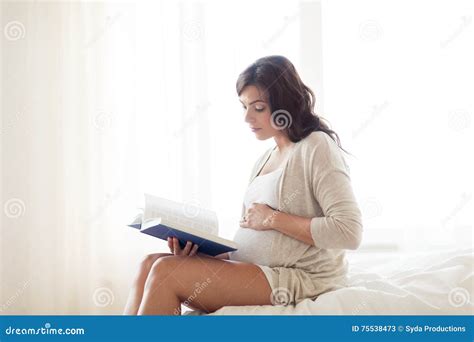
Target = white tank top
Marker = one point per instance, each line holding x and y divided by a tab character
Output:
254	246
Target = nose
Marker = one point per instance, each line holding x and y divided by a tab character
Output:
248	117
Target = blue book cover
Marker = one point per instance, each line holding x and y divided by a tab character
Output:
163	218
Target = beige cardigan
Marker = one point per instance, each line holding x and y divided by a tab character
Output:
315	183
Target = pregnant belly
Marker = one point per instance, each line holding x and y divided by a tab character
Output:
254	246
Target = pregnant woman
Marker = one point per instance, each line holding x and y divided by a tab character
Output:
299	213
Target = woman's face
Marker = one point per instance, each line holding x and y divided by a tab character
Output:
257	112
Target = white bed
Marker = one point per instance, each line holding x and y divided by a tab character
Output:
432	283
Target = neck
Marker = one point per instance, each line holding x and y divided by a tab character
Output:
283	142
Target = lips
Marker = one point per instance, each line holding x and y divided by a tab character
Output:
254	129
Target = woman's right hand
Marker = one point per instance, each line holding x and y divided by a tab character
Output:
175	248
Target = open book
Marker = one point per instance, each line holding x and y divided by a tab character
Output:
163	218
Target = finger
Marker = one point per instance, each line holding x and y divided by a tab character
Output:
177	248
170	244
194	250
187	248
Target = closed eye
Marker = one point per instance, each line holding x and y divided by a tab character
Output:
257	108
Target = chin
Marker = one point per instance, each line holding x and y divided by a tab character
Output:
262	136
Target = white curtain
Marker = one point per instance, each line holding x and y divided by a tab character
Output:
68	155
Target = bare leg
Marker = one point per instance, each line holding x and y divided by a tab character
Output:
136	292
206	283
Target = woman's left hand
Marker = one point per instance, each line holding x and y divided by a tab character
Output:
189	249
258	216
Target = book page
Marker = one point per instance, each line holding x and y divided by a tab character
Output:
180	215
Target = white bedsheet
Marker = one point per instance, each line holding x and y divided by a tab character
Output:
435	283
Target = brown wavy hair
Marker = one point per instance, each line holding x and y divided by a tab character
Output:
276	76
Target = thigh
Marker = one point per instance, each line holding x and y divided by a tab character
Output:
208	284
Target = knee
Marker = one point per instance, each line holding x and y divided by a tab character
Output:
146	264
148	260
161	270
